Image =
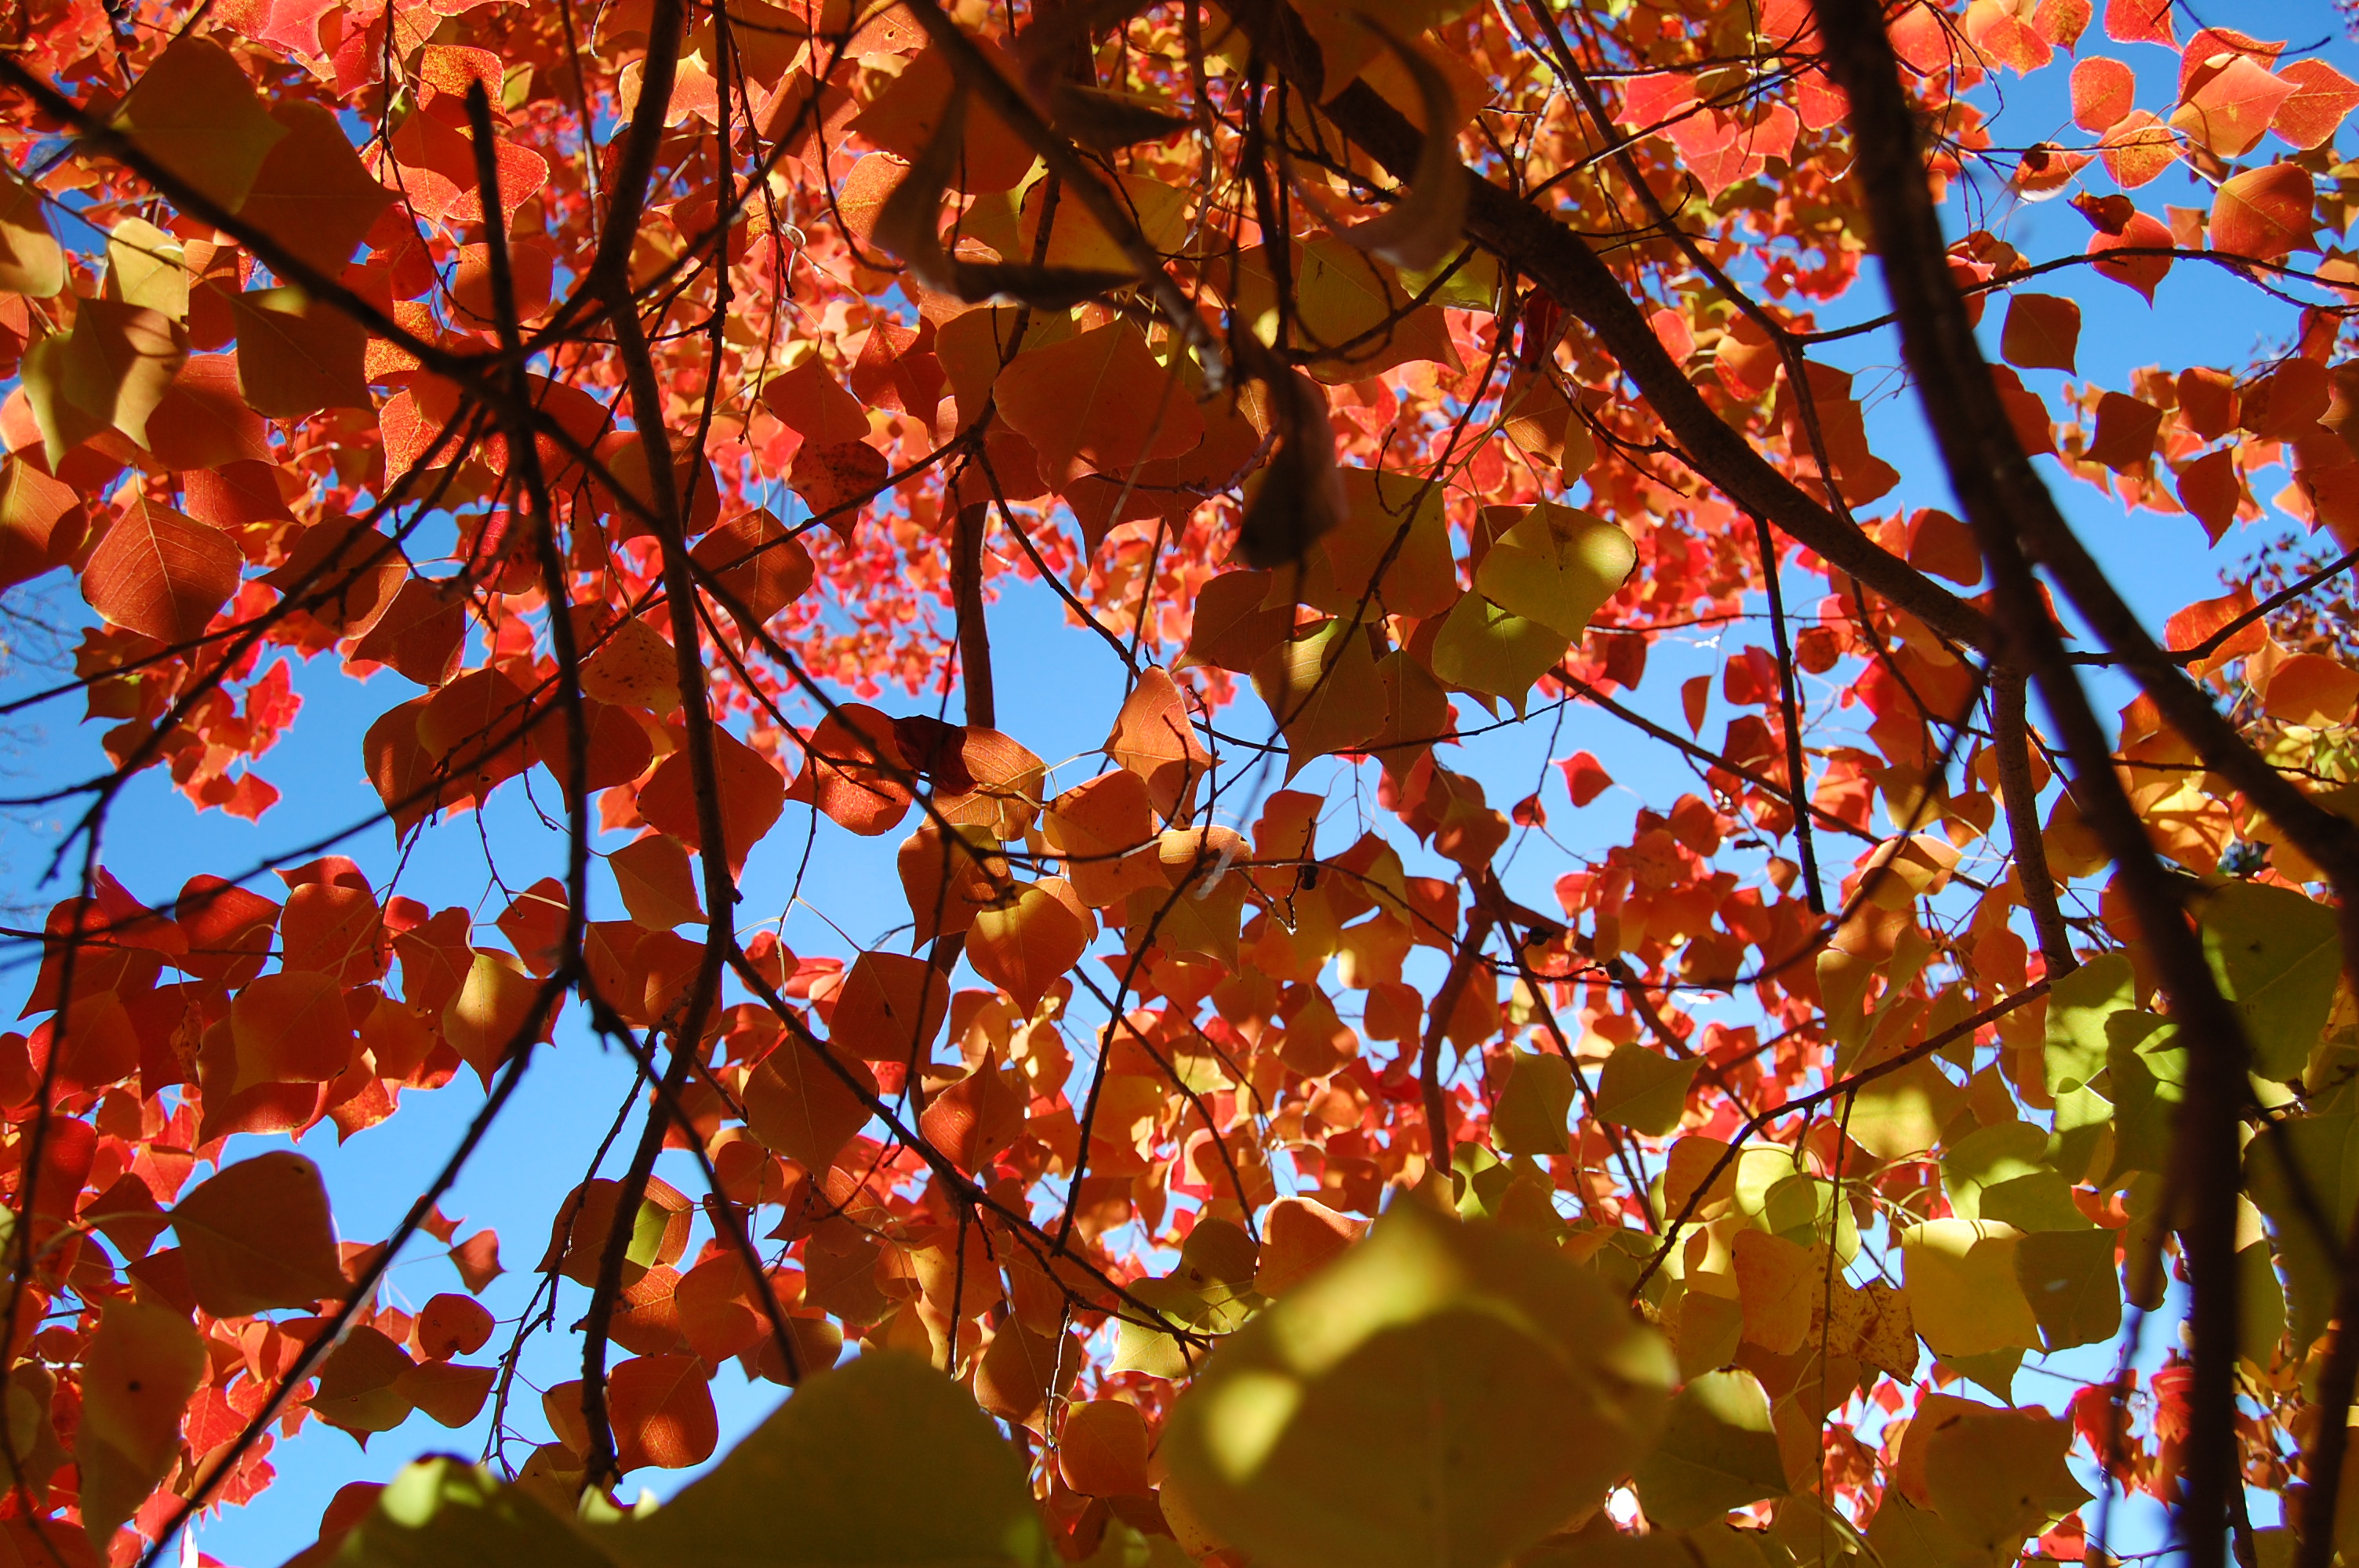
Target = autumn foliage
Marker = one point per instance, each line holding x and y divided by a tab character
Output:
1269	1140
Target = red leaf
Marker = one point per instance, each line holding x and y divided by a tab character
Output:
2141	273
257	1236
2126	429
1585	778
478	1258
2137	149
451	1325
750	792
2139	22
2209	487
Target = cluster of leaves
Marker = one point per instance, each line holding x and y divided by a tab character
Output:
663	395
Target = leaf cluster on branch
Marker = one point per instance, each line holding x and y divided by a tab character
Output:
1258	1146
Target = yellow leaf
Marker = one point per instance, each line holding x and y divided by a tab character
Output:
1443	1392
1962	1290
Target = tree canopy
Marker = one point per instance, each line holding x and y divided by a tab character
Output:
1317	1124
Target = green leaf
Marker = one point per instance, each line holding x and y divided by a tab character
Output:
2276	954
1557	567
2324	1150
1485	650
882	1461
2070	1281
1444	1393
1988	1156
2146	1070
2039	1202
2078	1006
1531	1114
443	1510
1718	1452
1643	1090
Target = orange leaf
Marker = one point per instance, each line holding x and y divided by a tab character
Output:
1022	1373
451	1325
2263	212
1154	738
449	1395
662	1411
1231	625
813	403
1101	1452
889	1005
160	574
2126	430
1104	833
764	568
2322	96
1101	399
2042	332
1585	777
2104	91
657	885
2231	111
1026	946
41	522
291	1028
312	193
2137	149
974	1118
2139	22
2311	689
751	795
2141	273
2209	487
257	1236
364	1384
854	771
799	1107
478	1258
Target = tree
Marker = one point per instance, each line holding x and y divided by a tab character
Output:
1216	1165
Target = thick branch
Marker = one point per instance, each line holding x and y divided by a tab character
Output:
2005	502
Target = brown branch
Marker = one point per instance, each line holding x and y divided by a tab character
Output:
2009	508
2011	743
973	631
1468	959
